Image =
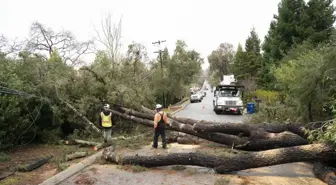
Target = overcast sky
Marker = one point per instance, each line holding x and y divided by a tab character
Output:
203	24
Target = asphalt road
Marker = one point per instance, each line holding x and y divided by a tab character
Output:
204	111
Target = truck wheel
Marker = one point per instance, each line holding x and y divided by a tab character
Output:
217	112
240	112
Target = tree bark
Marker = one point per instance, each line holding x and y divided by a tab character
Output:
260	141
242	129
229	163
75	155
5	174
34	164
187	140
325	173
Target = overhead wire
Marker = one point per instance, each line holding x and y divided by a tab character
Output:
23	95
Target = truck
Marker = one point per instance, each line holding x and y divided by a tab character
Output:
228	96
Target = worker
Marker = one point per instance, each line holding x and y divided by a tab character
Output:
105	121
160	121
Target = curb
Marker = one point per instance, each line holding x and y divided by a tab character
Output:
72	170
183	106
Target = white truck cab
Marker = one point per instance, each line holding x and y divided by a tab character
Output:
228	98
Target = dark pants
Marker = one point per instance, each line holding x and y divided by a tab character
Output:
158	132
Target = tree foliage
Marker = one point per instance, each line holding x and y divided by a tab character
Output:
296	22
247	64
221	60
36	83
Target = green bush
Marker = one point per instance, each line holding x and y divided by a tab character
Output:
276	114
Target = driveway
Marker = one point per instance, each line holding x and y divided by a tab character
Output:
288	174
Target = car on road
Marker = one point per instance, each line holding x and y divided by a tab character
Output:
228	98
197	97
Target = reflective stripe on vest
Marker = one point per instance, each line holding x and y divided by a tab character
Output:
106	120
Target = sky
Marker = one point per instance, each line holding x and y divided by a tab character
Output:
202	24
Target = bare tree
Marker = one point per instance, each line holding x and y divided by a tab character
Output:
46	41
8	47
110	37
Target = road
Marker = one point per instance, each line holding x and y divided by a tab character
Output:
204	111
287	174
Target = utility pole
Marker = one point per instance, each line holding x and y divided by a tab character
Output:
160	55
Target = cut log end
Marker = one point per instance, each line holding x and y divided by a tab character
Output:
325	173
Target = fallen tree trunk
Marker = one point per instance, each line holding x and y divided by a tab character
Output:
187	140
228	163
260	140
75	155
34	164
242	129
325	173
6	174
246	129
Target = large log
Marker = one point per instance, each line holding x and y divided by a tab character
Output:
242	129
34	164
325	173
227	164
246	129
260	141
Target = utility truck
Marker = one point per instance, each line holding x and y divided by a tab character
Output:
228	97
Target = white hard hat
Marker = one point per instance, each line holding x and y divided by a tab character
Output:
107	106
158	106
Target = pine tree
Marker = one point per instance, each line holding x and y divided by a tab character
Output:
319	20
252	43
238	65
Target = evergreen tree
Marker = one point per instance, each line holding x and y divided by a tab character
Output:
319	20
238	65
252	43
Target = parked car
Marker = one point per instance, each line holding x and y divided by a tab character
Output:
196	98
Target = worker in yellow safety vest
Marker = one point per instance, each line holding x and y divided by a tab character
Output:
105	121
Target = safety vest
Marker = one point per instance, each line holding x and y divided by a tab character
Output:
106	120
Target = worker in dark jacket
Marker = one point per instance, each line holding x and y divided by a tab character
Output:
105	121
160	121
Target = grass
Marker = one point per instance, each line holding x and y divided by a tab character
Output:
178	168
10	180
222	181
62	166
4	157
